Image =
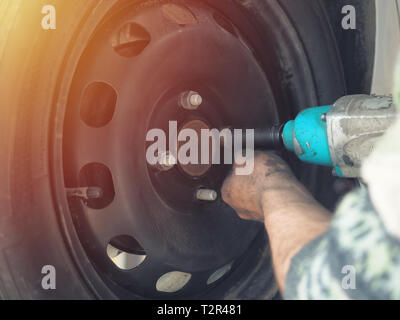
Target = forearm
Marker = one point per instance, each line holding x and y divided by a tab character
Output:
292	218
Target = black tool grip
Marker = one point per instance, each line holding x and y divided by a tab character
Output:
269	139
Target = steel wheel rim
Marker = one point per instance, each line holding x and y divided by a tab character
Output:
117	289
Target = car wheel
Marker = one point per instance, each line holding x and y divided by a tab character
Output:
77	103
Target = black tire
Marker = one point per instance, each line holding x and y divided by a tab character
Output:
32	228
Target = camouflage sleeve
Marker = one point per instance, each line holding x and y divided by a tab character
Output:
356	259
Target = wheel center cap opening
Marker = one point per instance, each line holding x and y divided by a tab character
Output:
196	170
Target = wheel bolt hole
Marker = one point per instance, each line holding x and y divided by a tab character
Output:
131	40
219	274
225	24
173	281
98	104
125	252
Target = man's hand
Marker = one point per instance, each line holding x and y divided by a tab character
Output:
245	193
273	195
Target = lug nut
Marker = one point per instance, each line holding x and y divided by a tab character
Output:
166	161
195	100
206	195
191	100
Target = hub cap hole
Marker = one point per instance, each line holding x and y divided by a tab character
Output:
128	244
178	14
98	104
173	281
130	40
125	252
217	275
224	24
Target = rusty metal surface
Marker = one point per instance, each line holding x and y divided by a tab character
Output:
354	124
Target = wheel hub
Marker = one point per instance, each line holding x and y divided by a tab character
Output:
196	170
